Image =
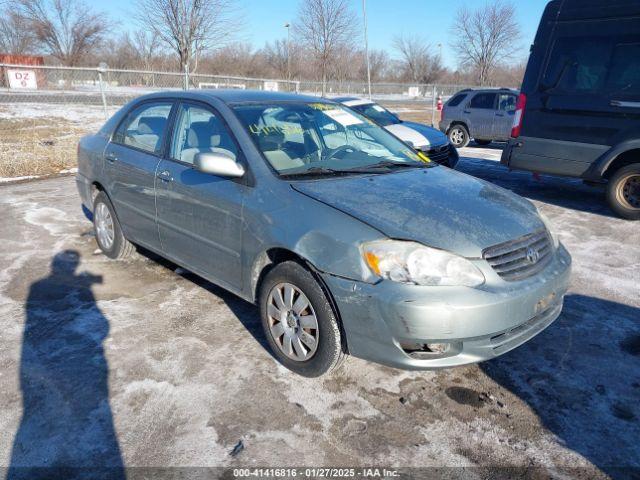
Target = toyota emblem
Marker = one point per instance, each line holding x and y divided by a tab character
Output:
532	256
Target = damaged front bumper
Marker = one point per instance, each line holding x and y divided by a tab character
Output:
392	323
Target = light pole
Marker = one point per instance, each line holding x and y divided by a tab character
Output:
366	45
288	27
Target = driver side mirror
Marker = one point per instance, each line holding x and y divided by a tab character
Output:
219	164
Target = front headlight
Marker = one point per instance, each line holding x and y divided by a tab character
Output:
413	263
547	224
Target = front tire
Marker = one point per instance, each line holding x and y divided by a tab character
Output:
623	192
299	322
107	229
458	136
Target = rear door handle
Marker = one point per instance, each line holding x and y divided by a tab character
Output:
165	176
111	157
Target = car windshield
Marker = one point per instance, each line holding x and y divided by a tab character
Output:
378	114
299	138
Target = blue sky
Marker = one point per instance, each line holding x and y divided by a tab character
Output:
427	19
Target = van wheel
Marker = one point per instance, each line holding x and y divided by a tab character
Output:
482	142
623	192
298	321
107	229
458	136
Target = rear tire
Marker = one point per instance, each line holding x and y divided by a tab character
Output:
109	236
623	192
458	136
483	142
299	322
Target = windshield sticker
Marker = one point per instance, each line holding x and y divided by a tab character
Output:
343	117
423	157
323	106
417	156
287	129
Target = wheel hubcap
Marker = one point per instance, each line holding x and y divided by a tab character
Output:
457	136
292	322
105	231
628	191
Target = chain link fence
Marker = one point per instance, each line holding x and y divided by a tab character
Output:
44	110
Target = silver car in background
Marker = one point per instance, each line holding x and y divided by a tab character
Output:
347	240
484	115
423	138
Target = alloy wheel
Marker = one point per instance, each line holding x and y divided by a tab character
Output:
456	136
105	229
292	322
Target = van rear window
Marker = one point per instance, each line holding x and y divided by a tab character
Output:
594	65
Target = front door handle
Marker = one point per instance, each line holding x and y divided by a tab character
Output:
111	157
499	114
165	176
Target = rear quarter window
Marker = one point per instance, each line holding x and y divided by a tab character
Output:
456	100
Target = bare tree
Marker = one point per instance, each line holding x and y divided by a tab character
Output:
15	35
326	27
276	56
418	64
379	63
67	29
485	38
189	27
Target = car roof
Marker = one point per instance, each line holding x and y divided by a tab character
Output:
489	89
352	101
231	96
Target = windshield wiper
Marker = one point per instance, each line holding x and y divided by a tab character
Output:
312	171
386	164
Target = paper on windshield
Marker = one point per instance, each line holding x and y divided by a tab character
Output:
378	108
343	117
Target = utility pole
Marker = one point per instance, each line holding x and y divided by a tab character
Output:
366	45
288	27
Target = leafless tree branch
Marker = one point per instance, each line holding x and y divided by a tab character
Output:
67	29
486	37
325	27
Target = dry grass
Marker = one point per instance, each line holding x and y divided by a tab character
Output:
38	146
413	111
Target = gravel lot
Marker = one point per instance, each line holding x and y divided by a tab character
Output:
138	363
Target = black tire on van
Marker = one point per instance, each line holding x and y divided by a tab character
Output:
623	192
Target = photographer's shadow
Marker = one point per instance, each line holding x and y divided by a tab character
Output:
67	427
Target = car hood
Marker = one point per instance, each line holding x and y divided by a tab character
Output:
419	135
435	206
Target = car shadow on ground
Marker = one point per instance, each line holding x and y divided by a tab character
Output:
581	377
66	423
564	192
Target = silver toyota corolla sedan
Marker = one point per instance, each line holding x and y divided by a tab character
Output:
349	241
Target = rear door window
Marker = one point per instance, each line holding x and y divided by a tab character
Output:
144	128
485	101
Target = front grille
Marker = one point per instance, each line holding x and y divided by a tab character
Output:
521	258
439	154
